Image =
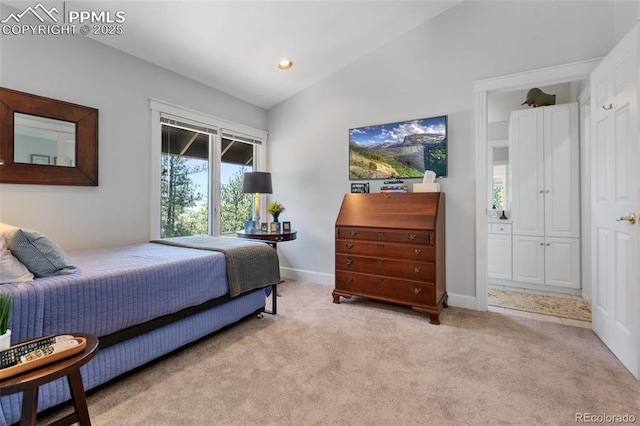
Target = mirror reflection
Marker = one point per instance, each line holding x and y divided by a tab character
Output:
499	189
45	141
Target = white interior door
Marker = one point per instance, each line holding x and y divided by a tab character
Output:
615	160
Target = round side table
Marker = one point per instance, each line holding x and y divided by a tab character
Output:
29	382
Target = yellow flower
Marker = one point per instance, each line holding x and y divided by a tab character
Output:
275	207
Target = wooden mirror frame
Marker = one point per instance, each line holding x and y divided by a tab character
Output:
85	172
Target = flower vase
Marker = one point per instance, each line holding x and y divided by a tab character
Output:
276	216
5	340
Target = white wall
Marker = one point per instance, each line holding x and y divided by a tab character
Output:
427	72
79	70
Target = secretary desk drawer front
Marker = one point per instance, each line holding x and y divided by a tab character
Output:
383	266
385	249
411	292
386	235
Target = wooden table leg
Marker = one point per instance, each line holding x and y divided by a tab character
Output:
79	398
29	407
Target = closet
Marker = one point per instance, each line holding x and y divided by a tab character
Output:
545	204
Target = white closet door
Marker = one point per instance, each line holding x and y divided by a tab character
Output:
528	259
562	262
561	171
527	171
499	256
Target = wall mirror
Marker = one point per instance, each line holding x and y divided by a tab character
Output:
499	186
47	141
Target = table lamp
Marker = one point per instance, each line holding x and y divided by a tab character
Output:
257	183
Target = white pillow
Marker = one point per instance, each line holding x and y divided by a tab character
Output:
11	270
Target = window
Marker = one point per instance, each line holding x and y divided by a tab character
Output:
236	157
185	179
200	169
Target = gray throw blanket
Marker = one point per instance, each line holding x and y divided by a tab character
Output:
250	264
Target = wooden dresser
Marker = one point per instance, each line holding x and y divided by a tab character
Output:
391	247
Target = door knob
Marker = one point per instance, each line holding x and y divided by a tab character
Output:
631	218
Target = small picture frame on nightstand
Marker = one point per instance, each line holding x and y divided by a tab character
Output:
264	227
275	227
286	226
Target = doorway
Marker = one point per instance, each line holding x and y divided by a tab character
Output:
495	87
531	272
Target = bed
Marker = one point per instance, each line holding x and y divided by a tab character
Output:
142	301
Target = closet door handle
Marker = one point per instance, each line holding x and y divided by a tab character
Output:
607	108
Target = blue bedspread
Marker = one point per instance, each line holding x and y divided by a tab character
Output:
115	288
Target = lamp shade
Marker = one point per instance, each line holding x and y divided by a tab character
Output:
257	182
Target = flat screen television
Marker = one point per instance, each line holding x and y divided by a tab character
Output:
404	150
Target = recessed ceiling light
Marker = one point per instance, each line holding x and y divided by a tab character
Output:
285	64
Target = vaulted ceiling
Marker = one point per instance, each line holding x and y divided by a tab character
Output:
234	46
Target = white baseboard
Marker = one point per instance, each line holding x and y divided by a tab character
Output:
460	301
310	276
457	300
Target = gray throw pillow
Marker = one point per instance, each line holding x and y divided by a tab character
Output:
41	256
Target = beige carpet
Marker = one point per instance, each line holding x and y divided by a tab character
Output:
369	363
558	306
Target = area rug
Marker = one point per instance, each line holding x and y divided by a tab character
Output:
558	306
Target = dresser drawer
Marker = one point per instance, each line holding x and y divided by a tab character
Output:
412	270
386	235
385	249
399	290
500	228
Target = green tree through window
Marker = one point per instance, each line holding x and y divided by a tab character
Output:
183	212
236	206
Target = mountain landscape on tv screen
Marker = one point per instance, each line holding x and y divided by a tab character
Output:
405	149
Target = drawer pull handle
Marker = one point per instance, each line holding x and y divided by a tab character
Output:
379	279
380	234
416	290
353	233
380	245
380	261
411	237
417	252
348	280
349	246
348	261
416	269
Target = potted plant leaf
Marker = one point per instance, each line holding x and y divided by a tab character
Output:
6	303
275	208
